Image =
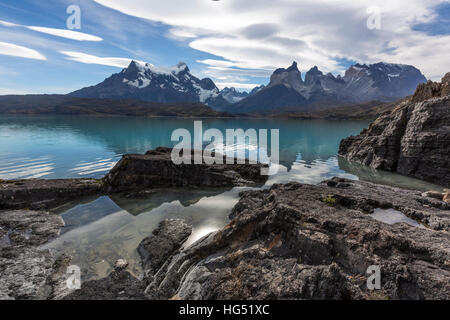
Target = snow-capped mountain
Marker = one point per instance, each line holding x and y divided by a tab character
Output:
232	95
149	83
380	81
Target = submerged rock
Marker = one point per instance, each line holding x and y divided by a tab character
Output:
155	251
26	272
413	139
156	169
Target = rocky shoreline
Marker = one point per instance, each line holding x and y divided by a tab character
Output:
297	241
413	139
293	241
133	174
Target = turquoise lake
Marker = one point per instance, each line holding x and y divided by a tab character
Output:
101	230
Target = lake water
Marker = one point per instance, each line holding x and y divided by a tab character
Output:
101	230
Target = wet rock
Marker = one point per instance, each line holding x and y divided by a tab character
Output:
155	169
39	194
118	285
287	243
413	139
26	272
165	241
155	251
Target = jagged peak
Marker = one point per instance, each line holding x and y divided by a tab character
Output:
292	68
314	71
182	66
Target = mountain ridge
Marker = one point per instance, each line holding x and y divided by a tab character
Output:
286	91
361	83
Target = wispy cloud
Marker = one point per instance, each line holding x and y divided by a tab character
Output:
63	33
268	34
92	59
68	34
10	49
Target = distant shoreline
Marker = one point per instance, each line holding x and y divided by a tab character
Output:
53	105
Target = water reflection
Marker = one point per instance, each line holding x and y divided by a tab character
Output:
64	146
102	231
384	177
391	216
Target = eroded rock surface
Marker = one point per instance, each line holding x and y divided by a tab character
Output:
316	242
432	89
26	272
413	139
156	169
165	241
299	241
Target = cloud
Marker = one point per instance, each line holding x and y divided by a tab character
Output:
8	24
68	34
265	34
260	30
91	59
10	49
63	33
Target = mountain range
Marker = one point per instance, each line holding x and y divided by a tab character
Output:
361	83
286	91
146	82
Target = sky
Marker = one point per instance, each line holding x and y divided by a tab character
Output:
234	42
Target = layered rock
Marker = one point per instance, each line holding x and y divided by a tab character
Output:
40	194
156	169
413	139
432	89
299	241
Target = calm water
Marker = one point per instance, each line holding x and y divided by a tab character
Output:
101	230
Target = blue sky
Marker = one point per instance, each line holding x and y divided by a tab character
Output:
234	42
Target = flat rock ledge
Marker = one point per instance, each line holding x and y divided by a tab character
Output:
38	194
299	241
133	173
156	169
